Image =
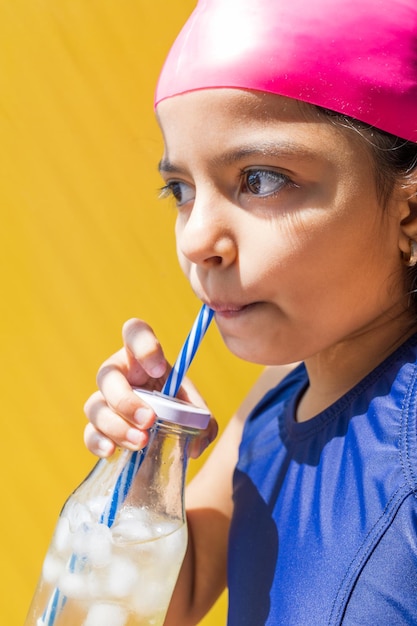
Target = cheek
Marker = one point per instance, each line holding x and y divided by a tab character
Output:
309	252
184	264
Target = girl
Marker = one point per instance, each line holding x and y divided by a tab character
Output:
290	135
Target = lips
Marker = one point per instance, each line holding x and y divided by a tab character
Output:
228	310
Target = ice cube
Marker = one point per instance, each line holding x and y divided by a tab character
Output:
133	525
77	514
73	585
96	588
122	577
93	542
153	596
174	545
81	540
97	505
52	568
167	550
100	548
106	614
164	527
62	536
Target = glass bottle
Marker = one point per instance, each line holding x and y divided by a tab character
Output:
121	537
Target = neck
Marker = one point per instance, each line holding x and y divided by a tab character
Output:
334	371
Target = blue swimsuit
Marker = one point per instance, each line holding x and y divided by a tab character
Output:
324	529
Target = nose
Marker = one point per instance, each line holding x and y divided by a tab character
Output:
205	234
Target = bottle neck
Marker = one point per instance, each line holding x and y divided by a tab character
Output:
176	429
160	481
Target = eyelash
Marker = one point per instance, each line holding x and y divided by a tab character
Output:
265	174
169	190
165	192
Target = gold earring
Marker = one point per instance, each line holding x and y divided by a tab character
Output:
410	259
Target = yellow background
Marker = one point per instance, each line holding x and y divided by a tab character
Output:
85	244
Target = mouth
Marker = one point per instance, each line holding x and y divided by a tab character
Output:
227	310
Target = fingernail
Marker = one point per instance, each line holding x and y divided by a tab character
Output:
104	446
157	370
142	416
134	436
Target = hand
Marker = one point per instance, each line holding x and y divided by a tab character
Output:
117	416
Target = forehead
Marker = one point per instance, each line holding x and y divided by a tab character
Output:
218	120
245	105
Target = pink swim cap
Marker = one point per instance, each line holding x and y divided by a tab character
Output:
357	57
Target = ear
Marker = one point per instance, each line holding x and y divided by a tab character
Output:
408	216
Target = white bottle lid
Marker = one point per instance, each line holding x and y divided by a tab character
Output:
174	410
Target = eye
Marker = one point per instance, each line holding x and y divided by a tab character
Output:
263	182
181	192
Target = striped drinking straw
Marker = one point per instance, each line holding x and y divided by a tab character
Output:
183	362
170	388
125	479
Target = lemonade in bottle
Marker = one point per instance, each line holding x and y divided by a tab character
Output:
121	537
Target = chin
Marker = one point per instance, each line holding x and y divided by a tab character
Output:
251	352
264	349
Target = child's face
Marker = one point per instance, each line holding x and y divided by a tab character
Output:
279	227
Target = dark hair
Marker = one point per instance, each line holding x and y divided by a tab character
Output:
395	161
395	158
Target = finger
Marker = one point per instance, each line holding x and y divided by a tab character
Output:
129	366
120	398
143	349
97	443
112	426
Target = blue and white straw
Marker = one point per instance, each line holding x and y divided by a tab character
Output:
183	362
125	479
170	388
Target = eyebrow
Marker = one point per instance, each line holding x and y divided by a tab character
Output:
287	150
167	167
